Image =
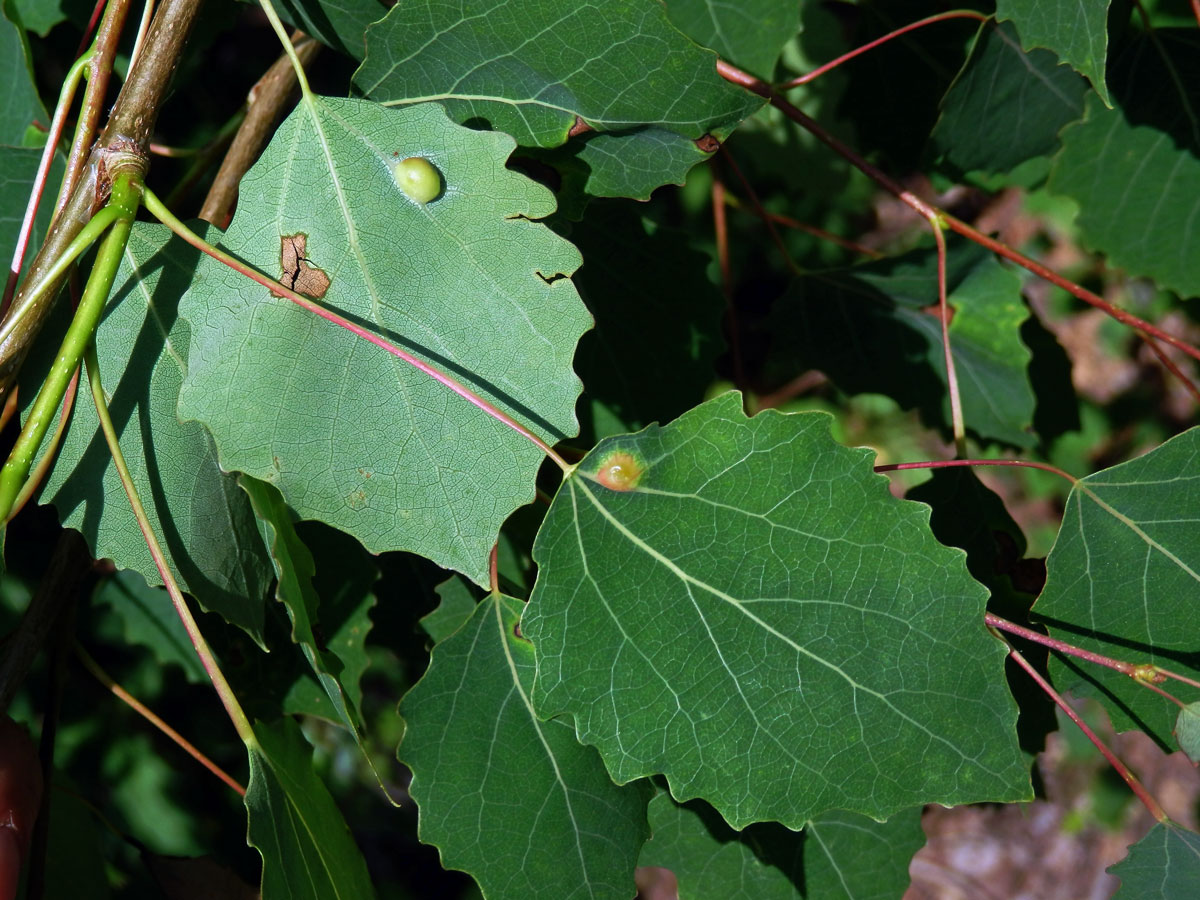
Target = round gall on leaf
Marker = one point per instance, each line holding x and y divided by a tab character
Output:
620	471
418	178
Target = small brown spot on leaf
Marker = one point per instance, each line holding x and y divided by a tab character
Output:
299	273
935	310
580	127
707	144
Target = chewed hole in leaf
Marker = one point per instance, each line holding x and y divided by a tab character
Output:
297	271
620	470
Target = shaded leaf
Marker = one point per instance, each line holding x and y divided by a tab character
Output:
18	169
516	802
347	433
968	514
197	878
307	849
38	16
75	852
345	581
1006	106
874	329
20	104
457	604
748	34
340	24
838	855
294	571
751	613
1075	30
650	356
149	619
203	520
635	162
589	61
1123	580
582	64
1164	865
1135	170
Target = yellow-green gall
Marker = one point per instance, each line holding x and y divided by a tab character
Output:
620	471
418	178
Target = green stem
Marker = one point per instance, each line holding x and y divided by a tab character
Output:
86	237
124	203
290	50
224	691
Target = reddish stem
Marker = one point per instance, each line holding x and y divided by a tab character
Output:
758	86
97	10
721	238
142	710
789	222
1130	779
1154	687
1196	10
494	569
155	207
1169	364
1125	668
758	209
952	463
845	57
956	414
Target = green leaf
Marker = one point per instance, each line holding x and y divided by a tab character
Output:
340	24
749	34
457	604
306	847
658	318
1164	865
1135	170
1187	731
347	433
20	104
874	329
38	16
1075	30
1123	577
588	61
618	66
635	162
345	582
751	613
75	851
514	801
294	571
18	170
1006	106
149	619
203	520
838	855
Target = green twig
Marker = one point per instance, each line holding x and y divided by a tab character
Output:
119	214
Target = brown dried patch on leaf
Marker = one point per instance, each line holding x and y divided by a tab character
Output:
707	144
298	272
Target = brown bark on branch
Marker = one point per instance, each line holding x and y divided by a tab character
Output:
123	145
